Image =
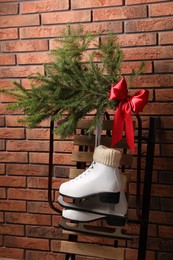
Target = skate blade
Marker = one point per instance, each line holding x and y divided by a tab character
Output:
78	204
115	233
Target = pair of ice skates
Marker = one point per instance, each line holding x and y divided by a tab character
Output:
97	194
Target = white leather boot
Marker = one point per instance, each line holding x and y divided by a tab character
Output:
101	178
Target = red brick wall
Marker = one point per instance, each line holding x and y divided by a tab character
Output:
28	227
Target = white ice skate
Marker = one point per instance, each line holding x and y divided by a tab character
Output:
100	181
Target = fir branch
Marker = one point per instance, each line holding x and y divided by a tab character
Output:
72	88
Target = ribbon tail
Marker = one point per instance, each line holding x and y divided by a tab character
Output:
118	127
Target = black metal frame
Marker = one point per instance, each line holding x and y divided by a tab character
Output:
143	215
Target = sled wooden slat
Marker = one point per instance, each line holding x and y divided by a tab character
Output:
94	250
85	124
82	156
73	173
107	124
126	159
89	141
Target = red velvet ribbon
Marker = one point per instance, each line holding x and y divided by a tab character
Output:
123	116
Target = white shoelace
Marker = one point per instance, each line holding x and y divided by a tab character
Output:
85	173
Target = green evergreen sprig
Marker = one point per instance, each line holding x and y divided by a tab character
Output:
77	82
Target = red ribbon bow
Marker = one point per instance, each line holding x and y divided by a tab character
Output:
122	116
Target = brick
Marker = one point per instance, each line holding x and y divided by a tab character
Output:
39	207
126	12
5	111
66	17
13	157
1	217
6	99
37	255
27	194
42	183
1	1
2	145
37	183
27	85
39	158
165	137
160	244
12	205
154	24
158	108
166	38
161	217
7	59
23	242
43	6
26	218
11	181
63	146
161	190
41	32
34	58
165	256
11	229
2	193
9	34
132	254
46	232
2	121
27	169
165	177
103	27
163	66
129	2
157	190
139	39
20	71
151	81
8	252
24	20
9	133
56	44
43	158
164	94
76	4
6	83
25	45
37	134
127	67
167	122
167	150
163	9
2	168
55	220
163	163
148	53
55	31
166	204
8	9
12	121
27	145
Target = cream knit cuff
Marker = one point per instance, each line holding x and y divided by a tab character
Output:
107	156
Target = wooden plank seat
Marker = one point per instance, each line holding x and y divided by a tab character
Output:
83	157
